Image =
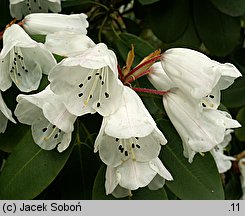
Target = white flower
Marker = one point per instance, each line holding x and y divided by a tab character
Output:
5	114
223	161
18	8
23	60
196	74
88	83
68	43
129	133
131	175
46	23
199	131
241	165
51	123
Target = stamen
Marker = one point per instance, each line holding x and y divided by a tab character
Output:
51	134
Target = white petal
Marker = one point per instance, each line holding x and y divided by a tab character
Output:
156	183
131	119
113	151
90	88
46	23
229	74
121	192
159	79
111	179
47	103
47	136
199	131
135	174
5	110
15	36
20	8
68	43
157	165
5	80
191	71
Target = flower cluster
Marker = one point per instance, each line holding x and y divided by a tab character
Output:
88	80
194	82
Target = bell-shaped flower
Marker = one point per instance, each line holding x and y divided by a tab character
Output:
47	23
23	60
223	161
241	165
20	8
162	80
199	131
130	133
131	175
50	121
68	43
196	74
88	83
5	115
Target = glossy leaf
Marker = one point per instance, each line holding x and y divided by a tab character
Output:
219	32
146	2
29	169
169	19
240	132
140	194
5	16
77	177
199	180
232	8
141	47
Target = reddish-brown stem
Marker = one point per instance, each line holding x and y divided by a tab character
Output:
137	77
150	91
142	65
120	72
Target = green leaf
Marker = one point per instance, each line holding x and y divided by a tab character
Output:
146	2
240	132
77	177
140	194
30	169
234	95
5	16
198	180
189	39
233	189
141	47
219	32
232	8
169	19
12	136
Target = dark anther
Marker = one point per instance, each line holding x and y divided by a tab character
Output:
137	138
26	70
203	104
23	67
98	104
97	74
126	153
120	147
102	82
40	8
80	94
211	96
53	126
13	68
18	74
90	96
133	145
89	77
16	53
56	136
117	139
100	77
80	85
19	56
44	129
106	95
138	146
15	59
